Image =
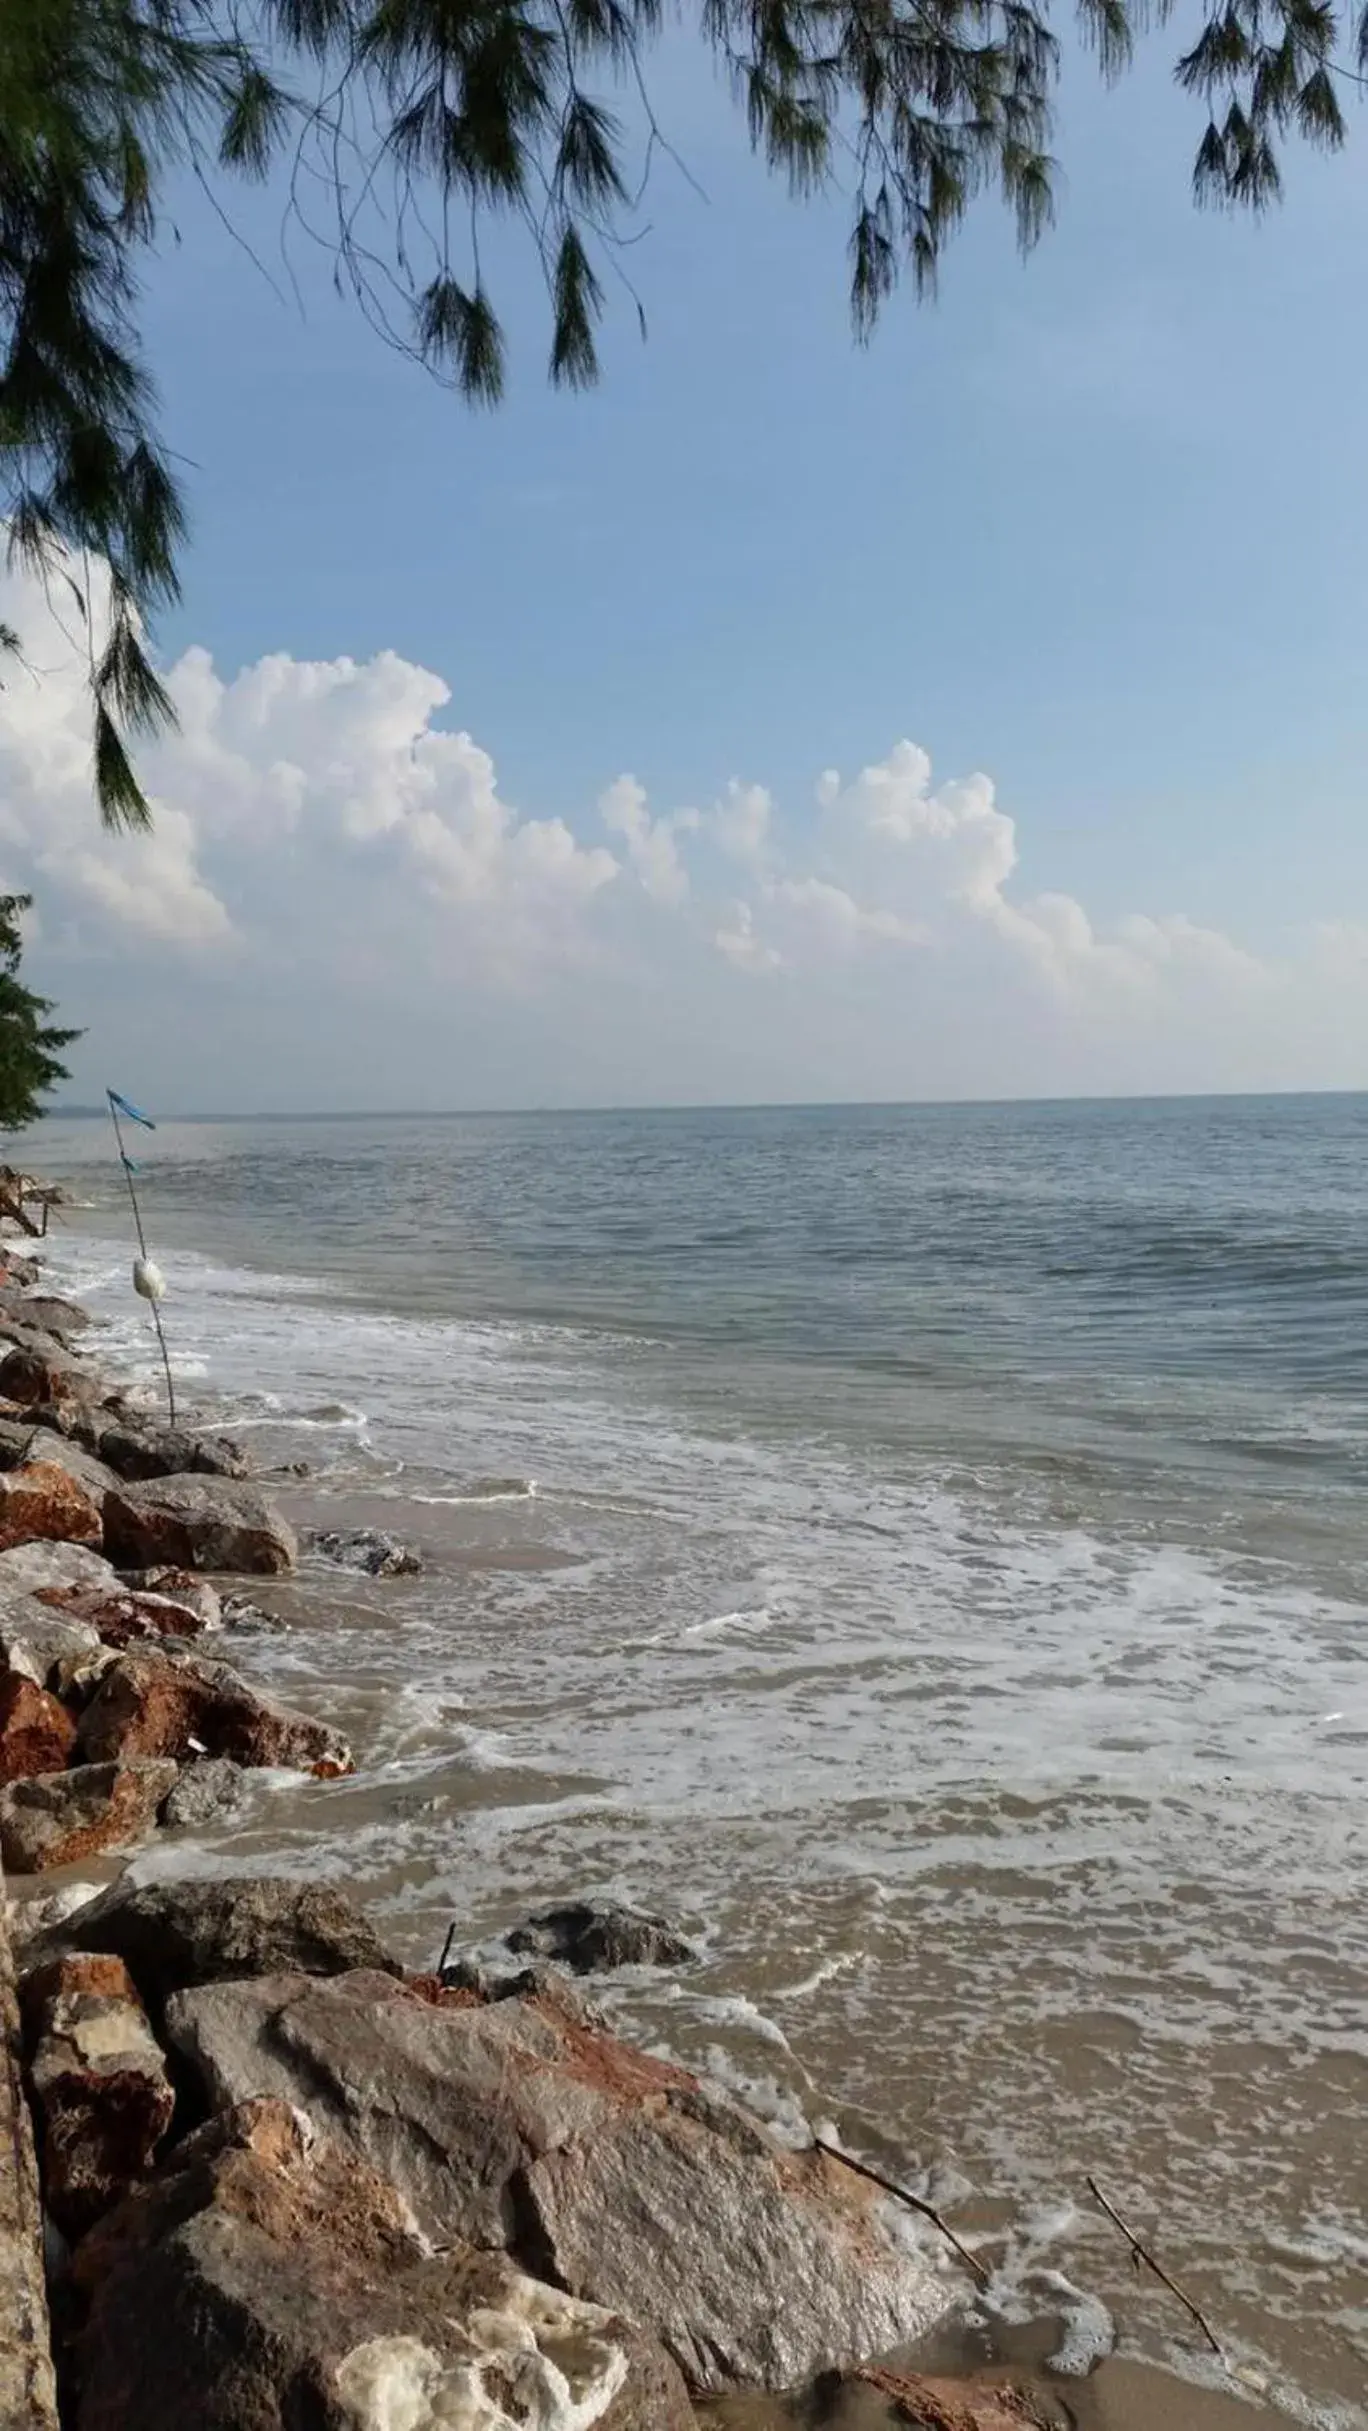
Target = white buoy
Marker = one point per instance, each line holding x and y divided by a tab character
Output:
148	1280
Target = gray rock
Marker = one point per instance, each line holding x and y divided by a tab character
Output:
56	1819
197	1523
629	2182
265	2279
28	1568
182	1587
207	1796
20	1443
43	1913
177	1934
28	2396
593	1937
137	1453
43	1313
35	1640
370	1550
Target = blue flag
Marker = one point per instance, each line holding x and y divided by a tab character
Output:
123	1107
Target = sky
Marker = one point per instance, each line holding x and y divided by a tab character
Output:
979	713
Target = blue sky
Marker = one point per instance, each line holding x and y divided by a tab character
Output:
1091	523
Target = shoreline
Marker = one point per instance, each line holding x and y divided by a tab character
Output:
1103	2400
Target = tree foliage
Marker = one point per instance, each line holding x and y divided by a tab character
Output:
405	127
30	1047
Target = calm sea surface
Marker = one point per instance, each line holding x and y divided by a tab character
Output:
926	1551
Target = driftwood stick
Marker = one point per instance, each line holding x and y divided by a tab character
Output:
446	1949
1141	2253
914	2203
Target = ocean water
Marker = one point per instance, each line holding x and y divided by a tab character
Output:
924	1551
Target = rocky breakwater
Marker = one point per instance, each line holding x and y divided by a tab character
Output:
282	2179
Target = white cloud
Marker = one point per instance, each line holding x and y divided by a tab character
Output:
651	844
321	834
737	941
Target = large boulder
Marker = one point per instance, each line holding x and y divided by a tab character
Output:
28	2395
266	2278
43	1499
148	1705
44	1313
28	1569
199	1523
144	1450
593	1937
63	1818
37	1734
104	2097
520	2124
174	1935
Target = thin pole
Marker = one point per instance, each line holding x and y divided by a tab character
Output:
126	1162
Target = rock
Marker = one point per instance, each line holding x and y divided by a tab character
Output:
372	1550
212	1792
138	1453
43	1313
37	1735
20	1274
36	1371
183	1587
620	2177
62	1818
956	2405
28	2395
148	1705
174	1935
43	1912
124	1619
265	2279
594	1937
103	2093
42	1499
35	1641
30	1568
198	1523
21	1442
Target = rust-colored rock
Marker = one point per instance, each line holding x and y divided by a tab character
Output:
268	2277
148	1705
124	1618
63	1818
961	2405
180	1587
37	1734
103	2094
42	1499
37	1374
197	1523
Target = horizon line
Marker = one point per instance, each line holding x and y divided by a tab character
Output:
777	1105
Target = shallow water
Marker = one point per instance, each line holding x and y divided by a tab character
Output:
921	1549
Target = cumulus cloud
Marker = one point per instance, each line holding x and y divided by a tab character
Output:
322	823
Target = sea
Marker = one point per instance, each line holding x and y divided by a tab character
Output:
921	1551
